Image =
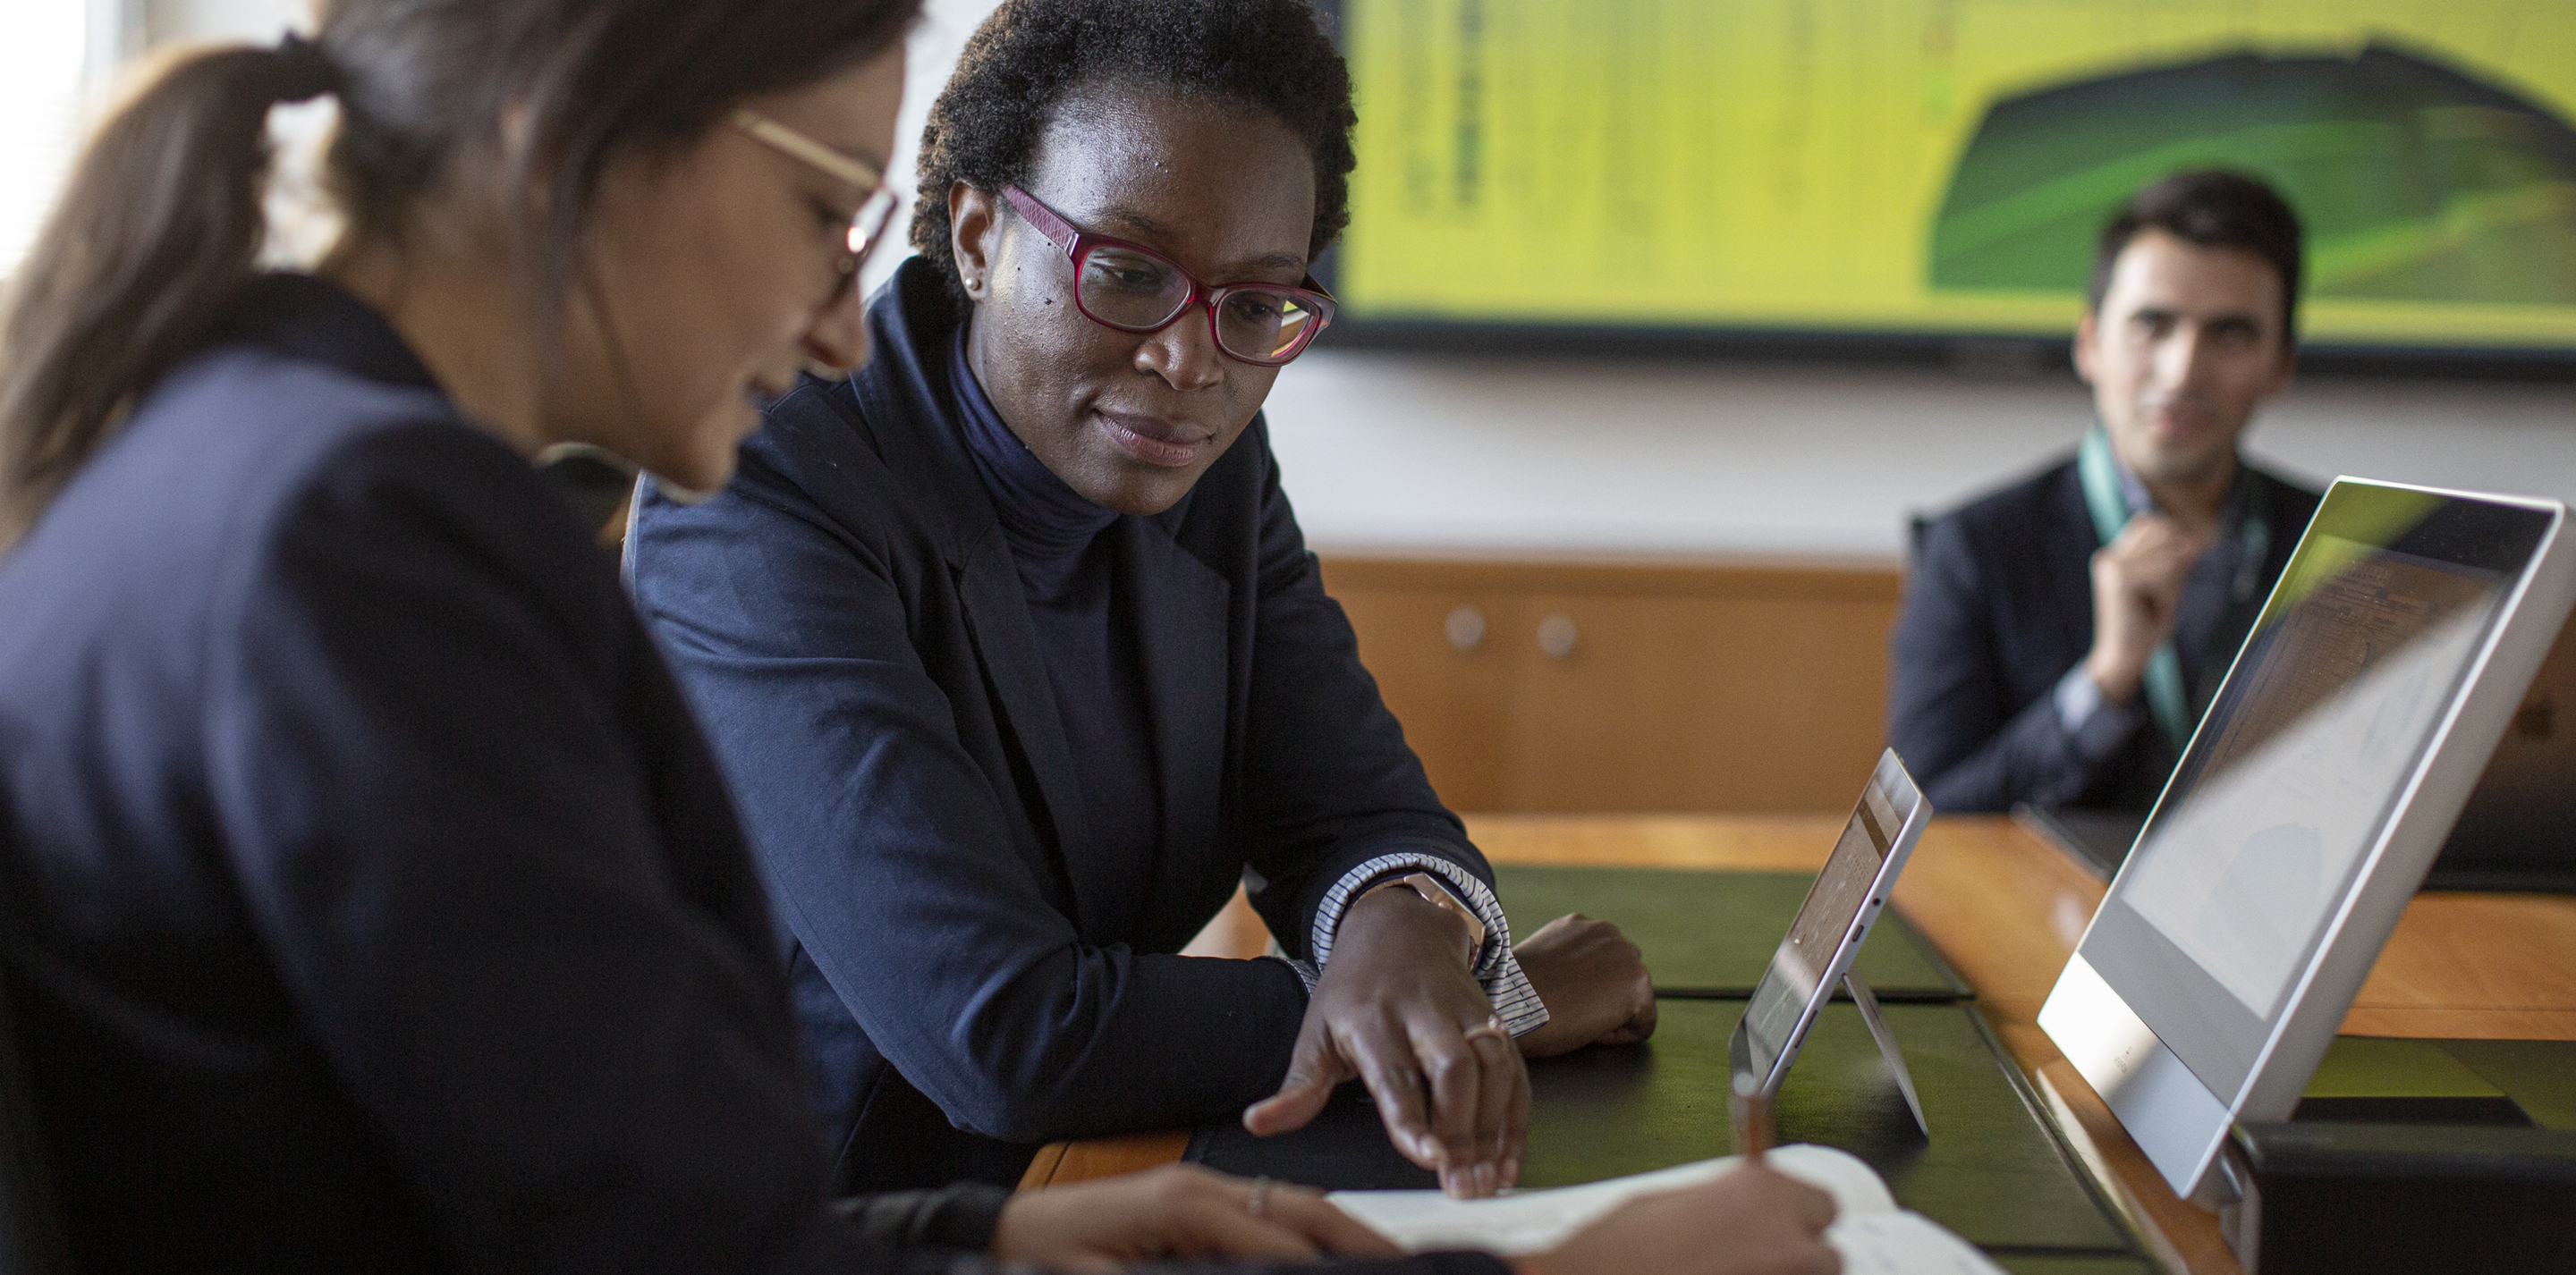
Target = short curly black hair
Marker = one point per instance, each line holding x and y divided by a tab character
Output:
1273	55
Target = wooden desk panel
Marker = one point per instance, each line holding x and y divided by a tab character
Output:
2006	910
1091	1158
2496	966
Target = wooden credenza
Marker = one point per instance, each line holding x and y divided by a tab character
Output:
1569	686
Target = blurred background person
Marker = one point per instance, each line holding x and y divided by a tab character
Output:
2062	636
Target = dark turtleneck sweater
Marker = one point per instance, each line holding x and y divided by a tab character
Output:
1068	574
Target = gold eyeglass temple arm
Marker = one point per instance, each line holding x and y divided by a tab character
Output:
857	172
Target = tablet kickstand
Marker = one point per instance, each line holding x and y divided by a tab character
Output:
1868	1002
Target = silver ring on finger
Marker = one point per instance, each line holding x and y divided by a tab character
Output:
1257	1198
1492	1026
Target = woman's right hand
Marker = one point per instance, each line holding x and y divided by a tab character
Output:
1177	1212
1751	1221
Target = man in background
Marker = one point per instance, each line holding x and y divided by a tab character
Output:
2061	636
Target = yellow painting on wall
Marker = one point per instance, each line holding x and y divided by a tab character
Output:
1943	166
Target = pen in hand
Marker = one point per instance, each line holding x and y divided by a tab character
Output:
1752	1119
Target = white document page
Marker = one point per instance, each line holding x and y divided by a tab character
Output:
1904	1244
1872	1236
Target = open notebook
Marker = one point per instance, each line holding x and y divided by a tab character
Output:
1872	1234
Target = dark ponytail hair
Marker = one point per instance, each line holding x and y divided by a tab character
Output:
161	224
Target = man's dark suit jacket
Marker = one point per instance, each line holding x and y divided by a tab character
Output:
1998	608
975	970
371	901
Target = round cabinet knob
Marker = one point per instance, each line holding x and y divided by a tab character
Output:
1556	637
1466	628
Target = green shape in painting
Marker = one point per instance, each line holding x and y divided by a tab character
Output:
2416	180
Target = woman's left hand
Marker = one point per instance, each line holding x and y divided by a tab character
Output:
1398	1008
1594	983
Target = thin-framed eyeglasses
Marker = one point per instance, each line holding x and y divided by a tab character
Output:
868	227
1133	288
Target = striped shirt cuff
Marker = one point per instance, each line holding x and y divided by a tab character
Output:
1496	968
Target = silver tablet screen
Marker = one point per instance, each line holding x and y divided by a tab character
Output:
2359	655
2340	700
1824	922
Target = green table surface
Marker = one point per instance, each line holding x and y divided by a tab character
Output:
2538	1077
1993	1171
2074	1263
1711	934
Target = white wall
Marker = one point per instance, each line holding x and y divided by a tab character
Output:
1407	452
1411	453
44	54
188	21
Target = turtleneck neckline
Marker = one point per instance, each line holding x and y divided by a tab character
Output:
1045	520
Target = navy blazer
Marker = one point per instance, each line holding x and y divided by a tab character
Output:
849	621
1998	608
372	902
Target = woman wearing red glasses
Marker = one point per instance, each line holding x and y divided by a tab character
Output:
1018	662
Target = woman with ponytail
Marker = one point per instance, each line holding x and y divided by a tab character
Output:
368	898
371	901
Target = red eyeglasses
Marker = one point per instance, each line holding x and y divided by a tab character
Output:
1135	289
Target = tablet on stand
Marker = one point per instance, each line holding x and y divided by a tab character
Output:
1816	957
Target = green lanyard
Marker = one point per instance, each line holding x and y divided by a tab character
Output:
2109	506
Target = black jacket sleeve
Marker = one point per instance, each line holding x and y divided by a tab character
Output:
962	1217
1951	714
441	811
